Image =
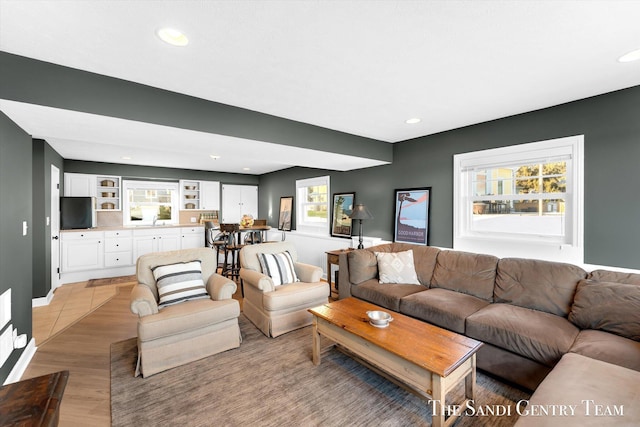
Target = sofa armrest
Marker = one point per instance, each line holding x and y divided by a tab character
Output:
221	288
258	280
308	273
143	302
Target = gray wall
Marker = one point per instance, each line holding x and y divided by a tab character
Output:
43	157
16	260
37	82
611	126
133	171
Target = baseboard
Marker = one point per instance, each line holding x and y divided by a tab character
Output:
42	301
22	364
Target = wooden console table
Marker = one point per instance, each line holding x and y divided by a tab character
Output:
33	402
333	258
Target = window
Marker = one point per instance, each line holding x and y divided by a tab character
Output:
312	213
150	203
524	200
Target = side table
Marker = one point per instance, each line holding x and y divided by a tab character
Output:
333	258
33	402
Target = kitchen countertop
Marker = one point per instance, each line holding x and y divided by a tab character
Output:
133	227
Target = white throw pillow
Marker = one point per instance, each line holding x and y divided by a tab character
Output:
397	267
179	282
279	267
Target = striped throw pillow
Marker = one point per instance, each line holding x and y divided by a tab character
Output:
279	267
179	282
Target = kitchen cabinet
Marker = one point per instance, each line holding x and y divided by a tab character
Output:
108	192
118	248
199	195
149	240
238	200
106	189
210	195
191	237
80	185
82	251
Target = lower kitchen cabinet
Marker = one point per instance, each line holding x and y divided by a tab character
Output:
82	251
118	248
96	254
191	237
149	240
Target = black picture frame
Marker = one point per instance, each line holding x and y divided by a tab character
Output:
412	210
285	213
341	223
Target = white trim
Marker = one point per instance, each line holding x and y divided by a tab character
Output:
22	364
42	301
569	248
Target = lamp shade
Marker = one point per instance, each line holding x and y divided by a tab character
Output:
361	212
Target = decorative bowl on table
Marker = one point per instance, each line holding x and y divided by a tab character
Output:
246	221
379	319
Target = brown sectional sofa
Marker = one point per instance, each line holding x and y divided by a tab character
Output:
528	313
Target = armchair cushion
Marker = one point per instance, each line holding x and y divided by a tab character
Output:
179	282
278	266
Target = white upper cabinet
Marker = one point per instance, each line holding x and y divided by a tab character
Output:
105	188
80	185
199	195
238	200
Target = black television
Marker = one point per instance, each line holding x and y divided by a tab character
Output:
77	212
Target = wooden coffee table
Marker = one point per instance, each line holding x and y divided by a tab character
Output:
428	359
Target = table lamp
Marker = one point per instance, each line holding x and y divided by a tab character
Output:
360	212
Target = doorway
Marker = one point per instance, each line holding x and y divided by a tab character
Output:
55	227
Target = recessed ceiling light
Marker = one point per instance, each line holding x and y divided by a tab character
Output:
412	121
173	37
246	169
631	56
214	157
126	158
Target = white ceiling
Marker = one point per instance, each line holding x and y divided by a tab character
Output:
361	67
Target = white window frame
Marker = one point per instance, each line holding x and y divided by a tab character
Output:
150	185
566	248
303	224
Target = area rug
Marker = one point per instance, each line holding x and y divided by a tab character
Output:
111	281
272	382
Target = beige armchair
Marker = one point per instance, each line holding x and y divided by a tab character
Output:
276	310
187	331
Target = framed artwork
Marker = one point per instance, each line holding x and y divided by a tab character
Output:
286	211
411	217
343	204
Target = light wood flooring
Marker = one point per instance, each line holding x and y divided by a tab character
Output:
75	333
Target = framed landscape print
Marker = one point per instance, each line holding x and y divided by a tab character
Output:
342	207
286	211
412	215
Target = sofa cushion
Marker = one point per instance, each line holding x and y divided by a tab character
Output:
615	276
386	295
469	273
396	267
179	282
279	267
581	383
363	266
541	285
610	307
608	347
442	307
540	336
